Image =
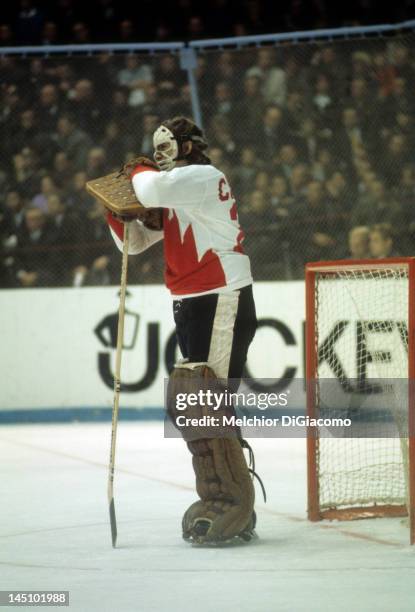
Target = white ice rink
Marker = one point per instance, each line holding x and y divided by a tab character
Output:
55	535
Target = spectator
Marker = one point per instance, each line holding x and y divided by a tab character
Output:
381	241
32	264
392	161
273	134
323	100
29	23
299	179
250	109
271	77
77	198
47	188
136	77
13	215
280	199
61	170
72	141
223	102
47	109
126	33
377	204
359	238
287	159
84	107
316	225
245	171
150	124
80	33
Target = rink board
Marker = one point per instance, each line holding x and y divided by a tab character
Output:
57	352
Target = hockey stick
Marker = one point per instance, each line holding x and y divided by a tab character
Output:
117	384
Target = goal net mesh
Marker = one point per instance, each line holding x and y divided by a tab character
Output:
361	318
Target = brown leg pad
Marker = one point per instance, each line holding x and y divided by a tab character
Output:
226	491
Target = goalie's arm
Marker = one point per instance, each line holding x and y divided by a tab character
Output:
183	187
140	238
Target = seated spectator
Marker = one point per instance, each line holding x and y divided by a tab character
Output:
77	198
119	110
245	170
25	171
222	103
299	179
32	263
226	70
61	170
377	204
115	144
382	241
250	110
126	33
63	230
296	112
314	225
95	263
168	76
96	164
273	134
47	108
220	135
271	77
85	107
396	155
13	213
72	141
47	188
280	198
286	160
262	182
359	238
323	100
80	33
361	98
136	76
340	193
50	33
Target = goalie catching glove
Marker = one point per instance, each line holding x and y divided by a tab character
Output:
116	193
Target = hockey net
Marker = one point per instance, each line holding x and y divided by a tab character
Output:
359	340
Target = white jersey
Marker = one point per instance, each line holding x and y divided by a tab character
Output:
202	237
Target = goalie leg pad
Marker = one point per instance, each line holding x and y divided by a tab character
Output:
226	491
223	482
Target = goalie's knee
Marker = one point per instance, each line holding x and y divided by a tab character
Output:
197	402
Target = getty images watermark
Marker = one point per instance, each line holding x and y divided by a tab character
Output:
343	408
217	404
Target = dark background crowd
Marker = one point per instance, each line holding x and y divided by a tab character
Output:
316	139
78	22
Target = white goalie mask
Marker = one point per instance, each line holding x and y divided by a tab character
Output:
166	149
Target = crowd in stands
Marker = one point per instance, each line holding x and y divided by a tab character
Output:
50	22
318	142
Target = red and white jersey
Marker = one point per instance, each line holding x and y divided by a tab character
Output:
202	237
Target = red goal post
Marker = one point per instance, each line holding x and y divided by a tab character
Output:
358	478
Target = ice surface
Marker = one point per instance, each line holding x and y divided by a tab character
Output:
55	534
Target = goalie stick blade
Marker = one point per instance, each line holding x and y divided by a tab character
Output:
113	522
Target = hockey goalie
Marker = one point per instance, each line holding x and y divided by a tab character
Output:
188	203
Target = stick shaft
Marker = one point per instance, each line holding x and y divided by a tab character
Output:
117	384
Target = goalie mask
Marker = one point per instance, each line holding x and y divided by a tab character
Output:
166	149
169	140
